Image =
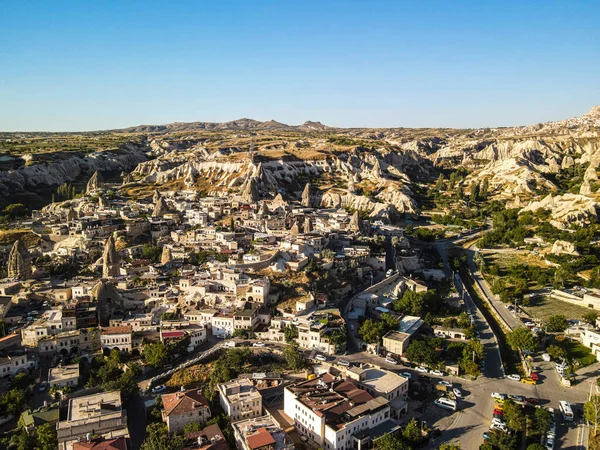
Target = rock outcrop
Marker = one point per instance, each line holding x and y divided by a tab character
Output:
110	259
306	196
160	208
566	209
166	256
564	248
94	183
62	168
19	262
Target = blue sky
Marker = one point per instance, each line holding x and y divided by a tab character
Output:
70	66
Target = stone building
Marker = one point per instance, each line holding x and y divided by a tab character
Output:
182	408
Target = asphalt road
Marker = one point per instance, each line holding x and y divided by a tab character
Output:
510	319
469	425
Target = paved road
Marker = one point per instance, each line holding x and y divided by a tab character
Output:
469	425
511	320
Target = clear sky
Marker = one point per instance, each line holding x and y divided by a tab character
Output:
84	65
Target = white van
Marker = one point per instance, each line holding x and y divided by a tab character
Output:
444	402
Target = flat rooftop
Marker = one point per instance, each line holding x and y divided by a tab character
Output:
239	390
63	373
381	380
94	406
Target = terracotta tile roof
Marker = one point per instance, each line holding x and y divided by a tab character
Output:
262	438
117	330
119	443
173	334
183	402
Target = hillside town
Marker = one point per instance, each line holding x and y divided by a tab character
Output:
210	295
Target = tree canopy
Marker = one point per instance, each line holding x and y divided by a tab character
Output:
557	323
522	339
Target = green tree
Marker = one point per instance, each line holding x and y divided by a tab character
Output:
390	442
440	184
450	322
294	357
483	193
290	333
513	415
21	381
412	433
543	420
536	446
498	440
450	446
23	441
590	318
522	339
420	352
15	210
556	352
339	338
591	412
474	194
156	354
469	366
12	403
371	331
151	252
240	333
557	323
46	437
192	427
158	438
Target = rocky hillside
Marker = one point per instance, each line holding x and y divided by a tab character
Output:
372	170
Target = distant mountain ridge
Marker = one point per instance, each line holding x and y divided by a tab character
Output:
240	124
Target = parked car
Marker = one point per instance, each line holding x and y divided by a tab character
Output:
534	376
407	375
320	357
43	386
390	360
549	444
445	383
498	426
230	344
514	377
457	392
437	373
498	396
422	369
529	324
498	421
259	344
532	401
159	389
516	398
528	381
343	362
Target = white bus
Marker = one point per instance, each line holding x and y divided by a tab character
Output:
444	402
566	410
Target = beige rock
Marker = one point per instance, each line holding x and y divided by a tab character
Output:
564	248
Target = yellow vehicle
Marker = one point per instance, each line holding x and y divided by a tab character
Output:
499	406
528	381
